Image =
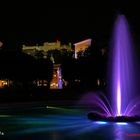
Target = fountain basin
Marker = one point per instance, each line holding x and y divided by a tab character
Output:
97	117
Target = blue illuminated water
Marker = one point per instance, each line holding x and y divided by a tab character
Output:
59	123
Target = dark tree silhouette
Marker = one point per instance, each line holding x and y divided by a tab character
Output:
44	70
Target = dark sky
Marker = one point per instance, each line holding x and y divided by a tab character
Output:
39	22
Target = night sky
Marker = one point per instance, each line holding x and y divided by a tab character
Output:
29	23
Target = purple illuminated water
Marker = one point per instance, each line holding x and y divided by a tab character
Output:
123	68
122	79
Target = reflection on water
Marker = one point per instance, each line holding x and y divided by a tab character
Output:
60	123
119	133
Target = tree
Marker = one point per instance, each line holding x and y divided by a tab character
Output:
56	54
44	70
17	67
39	54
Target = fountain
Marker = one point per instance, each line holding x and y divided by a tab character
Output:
124	106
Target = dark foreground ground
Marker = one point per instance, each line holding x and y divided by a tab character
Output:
40	94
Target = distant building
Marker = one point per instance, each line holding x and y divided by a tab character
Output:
33	50
82	46
5	83
57	81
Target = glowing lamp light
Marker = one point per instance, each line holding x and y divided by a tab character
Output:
100	122
121	123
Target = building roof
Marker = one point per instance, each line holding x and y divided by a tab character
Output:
86	42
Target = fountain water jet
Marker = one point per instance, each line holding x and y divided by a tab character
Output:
123	77
123	64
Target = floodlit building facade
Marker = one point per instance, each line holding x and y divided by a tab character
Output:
57	82
81	46
47	46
